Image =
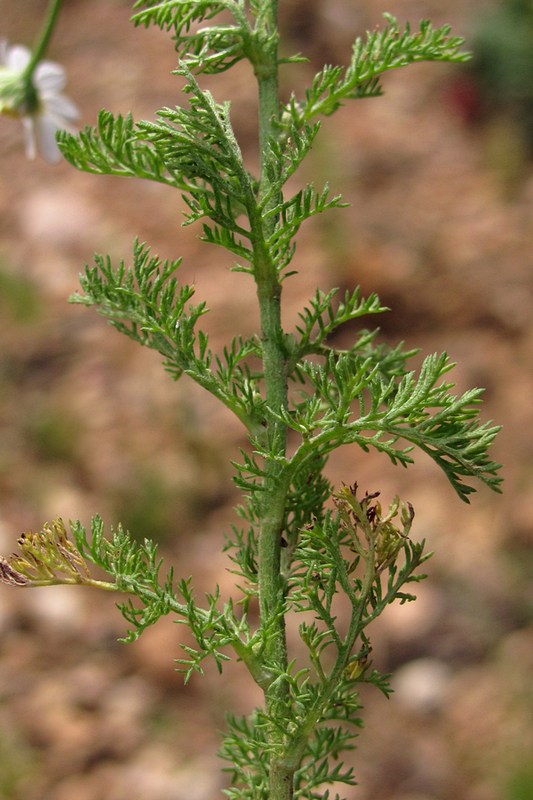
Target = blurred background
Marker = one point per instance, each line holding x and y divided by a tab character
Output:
439	175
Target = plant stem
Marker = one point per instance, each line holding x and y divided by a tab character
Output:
275	484
40	46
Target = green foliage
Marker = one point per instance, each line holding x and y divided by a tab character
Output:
503	60
419	410
246	748
371	58
213	48
19	298
519	785
19	762
362	396
51	434
147	304
500	76
52	557
361	553
135	568
113	147
301	546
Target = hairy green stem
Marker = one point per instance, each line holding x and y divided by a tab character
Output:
275	484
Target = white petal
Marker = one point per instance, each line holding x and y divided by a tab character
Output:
17	57
61	107
29	137
49	77
46	136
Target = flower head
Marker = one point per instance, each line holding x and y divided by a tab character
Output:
46	558
36	99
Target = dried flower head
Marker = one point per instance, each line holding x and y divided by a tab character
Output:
45	558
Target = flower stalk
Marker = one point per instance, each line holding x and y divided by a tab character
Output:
43	39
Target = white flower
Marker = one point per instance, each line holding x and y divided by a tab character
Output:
38	102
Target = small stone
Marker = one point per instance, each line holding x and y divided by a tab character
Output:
422	685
